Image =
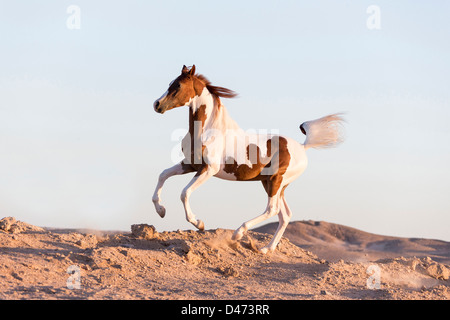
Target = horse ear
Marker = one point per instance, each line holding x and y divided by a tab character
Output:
184	70
192	71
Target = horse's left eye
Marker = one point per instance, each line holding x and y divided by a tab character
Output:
174	87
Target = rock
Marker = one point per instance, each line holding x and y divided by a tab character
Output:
227	271
438	271
430	268
89	241
192	258
7	223
414	263
11	225
144	231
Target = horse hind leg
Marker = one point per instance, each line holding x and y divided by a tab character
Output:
284	217
273	207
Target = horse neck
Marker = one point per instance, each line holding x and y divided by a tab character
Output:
208	109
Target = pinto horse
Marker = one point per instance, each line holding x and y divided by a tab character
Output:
216	146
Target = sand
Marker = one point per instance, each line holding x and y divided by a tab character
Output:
314	261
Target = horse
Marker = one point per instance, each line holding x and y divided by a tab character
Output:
215	146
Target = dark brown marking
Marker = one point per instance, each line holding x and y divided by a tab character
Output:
191	143
201	170
187	168
244	172
271	183
284	159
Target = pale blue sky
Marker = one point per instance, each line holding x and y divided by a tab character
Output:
80	144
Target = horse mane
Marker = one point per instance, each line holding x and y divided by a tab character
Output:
218	91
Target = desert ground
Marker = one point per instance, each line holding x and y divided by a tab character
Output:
314	261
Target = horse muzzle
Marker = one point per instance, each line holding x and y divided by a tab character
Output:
158	108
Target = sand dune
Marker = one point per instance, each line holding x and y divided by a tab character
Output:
42	263
333	242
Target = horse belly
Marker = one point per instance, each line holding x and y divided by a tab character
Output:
222	174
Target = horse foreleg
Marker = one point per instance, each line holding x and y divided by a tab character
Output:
201	177
177	169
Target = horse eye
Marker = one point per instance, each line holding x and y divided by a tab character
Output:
174	87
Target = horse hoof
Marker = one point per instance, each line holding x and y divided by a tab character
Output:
200	225
237	235
161	211
265	250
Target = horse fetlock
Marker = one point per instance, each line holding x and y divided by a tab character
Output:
239	233
196	223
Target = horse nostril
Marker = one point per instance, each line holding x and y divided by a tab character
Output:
156	104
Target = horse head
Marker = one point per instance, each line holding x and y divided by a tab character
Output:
180	91
185	87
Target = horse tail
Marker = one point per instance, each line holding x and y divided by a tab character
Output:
325	132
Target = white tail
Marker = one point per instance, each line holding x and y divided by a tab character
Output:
325	132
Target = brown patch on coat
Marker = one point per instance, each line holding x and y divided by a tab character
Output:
265	184
244	172
187	168
201	169
271	183
192	146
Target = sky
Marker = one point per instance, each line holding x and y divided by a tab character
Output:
81	146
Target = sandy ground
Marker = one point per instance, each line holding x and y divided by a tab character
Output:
328	262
